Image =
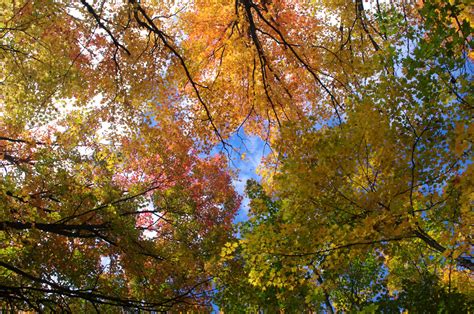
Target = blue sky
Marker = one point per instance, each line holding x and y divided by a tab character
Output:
245	158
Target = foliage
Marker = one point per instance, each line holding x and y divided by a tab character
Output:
133	227
353	201
112	196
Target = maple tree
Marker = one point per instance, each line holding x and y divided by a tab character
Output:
133	227
86	224
105	199
111	195
364	212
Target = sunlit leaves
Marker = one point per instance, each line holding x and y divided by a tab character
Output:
110	195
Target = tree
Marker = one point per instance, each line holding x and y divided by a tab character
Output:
106	200
111	195
130	224
368	202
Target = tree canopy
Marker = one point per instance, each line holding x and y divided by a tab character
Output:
118	123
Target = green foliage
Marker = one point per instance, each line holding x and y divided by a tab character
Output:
428	296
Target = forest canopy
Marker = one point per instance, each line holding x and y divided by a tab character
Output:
120	120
